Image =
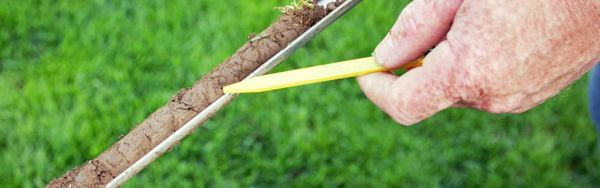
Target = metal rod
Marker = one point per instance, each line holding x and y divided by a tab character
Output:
196	121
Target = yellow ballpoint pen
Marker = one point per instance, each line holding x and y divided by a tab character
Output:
310	75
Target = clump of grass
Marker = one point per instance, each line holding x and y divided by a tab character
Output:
296	5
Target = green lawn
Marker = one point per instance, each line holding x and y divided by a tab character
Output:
74	75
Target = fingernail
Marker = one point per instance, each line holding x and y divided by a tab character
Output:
374	55
382	51
377	59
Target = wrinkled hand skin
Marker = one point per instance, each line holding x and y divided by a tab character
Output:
496	56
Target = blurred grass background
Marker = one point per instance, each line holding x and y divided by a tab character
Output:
74	75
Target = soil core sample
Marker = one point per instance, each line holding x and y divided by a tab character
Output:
190	101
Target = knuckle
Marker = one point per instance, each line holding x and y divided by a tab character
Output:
464	82
442	7
466	85
411	26
407	27
512	104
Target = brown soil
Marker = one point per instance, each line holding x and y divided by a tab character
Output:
190	101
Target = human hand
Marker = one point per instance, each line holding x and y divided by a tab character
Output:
497	56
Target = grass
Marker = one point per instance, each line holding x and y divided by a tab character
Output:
74	75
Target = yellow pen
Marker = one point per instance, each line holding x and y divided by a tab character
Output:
310	75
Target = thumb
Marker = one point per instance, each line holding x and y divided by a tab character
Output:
421	25
419	93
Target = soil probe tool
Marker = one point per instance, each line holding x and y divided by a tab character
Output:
316	74
194	123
